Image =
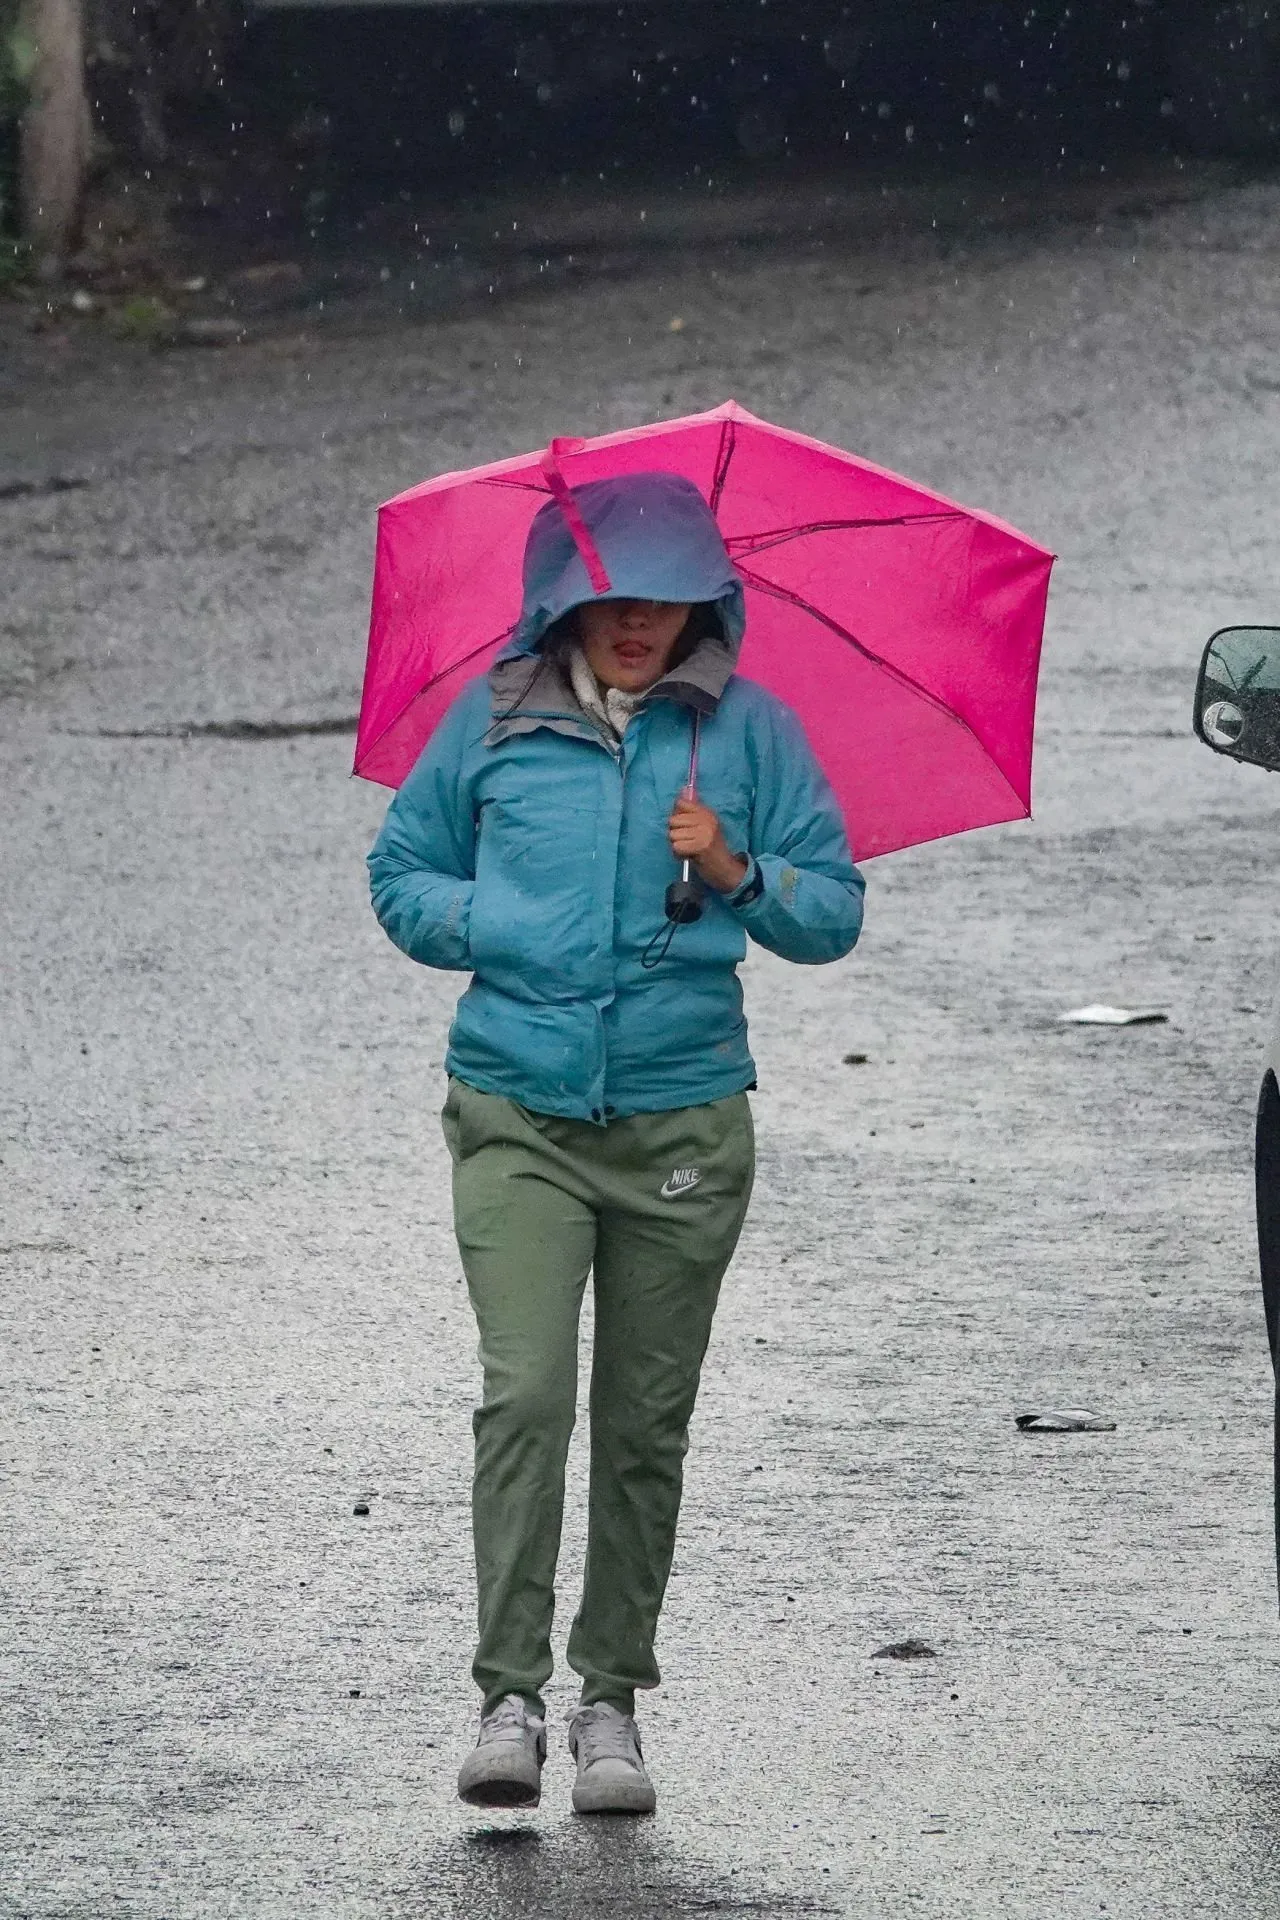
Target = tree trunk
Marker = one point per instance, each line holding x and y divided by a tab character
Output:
53	153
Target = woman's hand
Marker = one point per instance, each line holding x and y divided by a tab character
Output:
696	835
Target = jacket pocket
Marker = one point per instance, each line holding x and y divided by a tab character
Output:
534	907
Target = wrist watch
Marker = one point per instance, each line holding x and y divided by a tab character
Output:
752	887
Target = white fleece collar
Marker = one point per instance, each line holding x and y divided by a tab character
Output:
609	706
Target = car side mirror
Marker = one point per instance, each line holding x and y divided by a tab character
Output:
1237	709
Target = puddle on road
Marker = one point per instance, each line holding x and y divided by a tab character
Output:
513	1870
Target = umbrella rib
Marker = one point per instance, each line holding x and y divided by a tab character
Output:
435	682
728	442
778	536
877	660
521	486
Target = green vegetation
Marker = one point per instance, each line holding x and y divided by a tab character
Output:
144	318
16	59
15	262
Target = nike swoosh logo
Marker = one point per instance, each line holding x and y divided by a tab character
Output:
681	1181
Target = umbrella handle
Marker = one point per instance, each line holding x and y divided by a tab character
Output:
684	896
687	903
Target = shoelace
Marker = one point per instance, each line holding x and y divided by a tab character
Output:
508	1721
605	1738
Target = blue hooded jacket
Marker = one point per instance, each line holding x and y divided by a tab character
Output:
531	850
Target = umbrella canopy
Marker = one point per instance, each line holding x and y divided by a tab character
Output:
903	629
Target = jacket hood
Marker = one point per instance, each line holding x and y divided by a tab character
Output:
658	540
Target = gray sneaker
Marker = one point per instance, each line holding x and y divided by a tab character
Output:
611	1775
505	1770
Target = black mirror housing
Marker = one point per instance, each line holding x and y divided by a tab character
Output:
1237	705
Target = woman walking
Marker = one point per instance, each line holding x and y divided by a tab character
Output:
597	1112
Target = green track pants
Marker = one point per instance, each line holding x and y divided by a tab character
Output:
653	1205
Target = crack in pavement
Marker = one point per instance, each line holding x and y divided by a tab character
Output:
223	730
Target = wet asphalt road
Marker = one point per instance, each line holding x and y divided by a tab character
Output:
231	1302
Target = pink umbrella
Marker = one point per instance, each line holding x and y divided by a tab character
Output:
904	630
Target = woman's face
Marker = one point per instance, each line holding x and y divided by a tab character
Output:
628	643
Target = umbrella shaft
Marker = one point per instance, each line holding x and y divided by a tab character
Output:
691	784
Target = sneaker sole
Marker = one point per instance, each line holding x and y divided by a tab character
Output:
636	1804
500	1793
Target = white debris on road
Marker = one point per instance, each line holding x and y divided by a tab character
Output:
1104	1016
1064	1420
